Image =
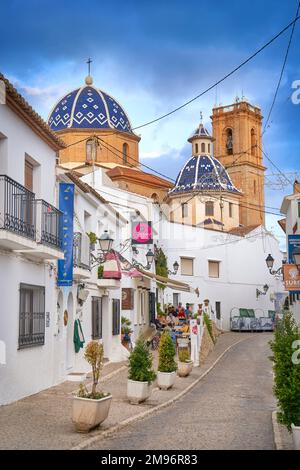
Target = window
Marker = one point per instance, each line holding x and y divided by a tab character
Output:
125	153
203	147
196	148
116	317
253	142
176	300
230	209
96	317
91	151
184	210
218	310
31	316
208	148
209	208
187	266
213	268
28	177
229	142
254	186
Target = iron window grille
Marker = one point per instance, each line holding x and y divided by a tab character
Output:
31	316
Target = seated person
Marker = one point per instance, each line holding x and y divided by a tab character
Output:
181	314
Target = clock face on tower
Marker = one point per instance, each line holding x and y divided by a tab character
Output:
142	233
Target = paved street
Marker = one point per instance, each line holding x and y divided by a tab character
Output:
229	409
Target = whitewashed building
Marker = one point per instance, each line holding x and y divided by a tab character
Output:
30	244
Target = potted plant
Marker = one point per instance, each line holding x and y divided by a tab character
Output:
93	240
166	365
125	331
100	271
140	373
91	408
185	364
286	367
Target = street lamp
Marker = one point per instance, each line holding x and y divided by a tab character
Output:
105	242
175	268
270	264
265	290
149	258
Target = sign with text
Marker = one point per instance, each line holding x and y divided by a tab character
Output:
291	278
127	299
66	205
293	242
141	233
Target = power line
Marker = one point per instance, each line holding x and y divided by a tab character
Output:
221	79
281	72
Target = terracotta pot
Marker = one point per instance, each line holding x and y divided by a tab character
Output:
165	380
184	368
138	392
89	413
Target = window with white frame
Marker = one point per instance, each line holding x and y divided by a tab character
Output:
187	266
214	268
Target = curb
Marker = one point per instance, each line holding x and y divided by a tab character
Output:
276	432
144	414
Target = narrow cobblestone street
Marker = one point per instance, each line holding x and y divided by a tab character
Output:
229	409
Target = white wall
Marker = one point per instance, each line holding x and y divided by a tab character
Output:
242	267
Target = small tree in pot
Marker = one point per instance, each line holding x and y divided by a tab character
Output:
140	373
185	364
91	408
167	365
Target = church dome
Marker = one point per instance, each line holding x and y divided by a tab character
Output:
203	173
88	108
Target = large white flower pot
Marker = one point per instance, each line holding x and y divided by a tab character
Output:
89	413
165	380
296	436
138	391
184	368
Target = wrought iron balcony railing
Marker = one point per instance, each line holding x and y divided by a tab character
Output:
49	220
81	251
17	208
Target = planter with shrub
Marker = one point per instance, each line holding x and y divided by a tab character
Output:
140	373
93	240
167	365
91	408
185	364
286	366
125	331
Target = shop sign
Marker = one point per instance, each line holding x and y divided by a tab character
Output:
291	278
293	242
141	233
127	299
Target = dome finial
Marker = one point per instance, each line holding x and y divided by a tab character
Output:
89	78
201	117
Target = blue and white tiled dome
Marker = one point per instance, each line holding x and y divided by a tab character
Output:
88	108
203	173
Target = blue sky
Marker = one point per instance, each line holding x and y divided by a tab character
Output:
152	56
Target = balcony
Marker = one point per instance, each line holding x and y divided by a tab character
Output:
17	215
28	225
81	256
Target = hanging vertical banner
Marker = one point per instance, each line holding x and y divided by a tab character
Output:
66	205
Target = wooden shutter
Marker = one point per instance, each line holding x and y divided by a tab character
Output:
28	178
213	269
152	306
116	317
187	266
96	317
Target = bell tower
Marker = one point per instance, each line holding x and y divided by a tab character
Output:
237	134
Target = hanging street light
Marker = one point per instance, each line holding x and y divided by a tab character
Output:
175	268
270	264
105	242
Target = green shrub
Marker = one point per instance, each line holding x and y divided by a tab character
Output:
166	353
93	237
184	355
160	312
287	374
100	271
208	323
125	321
141	363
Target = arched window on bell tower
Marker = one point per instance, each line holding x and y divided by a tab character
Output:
229	142
203	147
91	151
196	149
253	142
125	153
